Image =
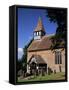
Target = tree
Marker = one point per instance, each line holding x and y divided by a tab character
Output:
19	65
22	63
24	57
60	17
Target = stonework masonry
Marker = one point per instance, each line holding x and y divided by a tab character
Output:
49	58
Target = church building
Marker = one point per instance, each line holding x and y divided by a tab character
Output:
39	54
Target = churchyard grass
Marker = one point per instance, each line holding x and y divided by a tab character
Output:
57	76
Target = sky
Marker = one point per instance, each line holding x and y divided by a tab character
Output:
27	22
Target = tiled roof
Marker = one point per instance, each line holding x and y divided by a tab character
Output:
38	58
43	43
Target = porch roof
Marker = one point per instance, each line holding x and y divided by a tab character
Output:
38	59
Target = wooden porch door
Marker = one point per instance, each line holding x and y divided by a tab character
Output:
33	68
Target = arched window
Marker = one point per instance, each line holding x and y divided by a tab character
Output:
58	57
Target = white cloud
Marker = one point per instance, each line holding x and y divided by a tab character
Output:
20	53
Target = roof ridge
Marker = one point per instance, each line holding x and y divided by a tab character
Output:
49	35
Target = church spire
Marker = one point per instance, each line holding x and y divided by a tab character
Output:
39	26
39	30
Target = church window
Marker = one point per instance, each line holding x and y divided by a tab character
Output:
37	33
58	57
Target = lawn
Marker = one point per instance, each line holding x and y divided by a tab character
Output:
57	76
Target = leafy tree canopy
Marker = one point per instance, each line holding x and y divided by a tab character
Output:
60	17
22	63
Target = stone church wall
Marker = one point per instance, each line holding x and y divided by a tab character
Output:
49	57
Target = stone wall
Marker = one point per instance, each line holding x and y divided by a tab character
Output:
49	58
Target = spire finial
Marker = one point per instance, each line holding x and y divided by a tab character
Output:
39	17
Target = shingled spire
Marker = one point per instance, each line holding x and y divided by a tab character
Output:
39	30
39	26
